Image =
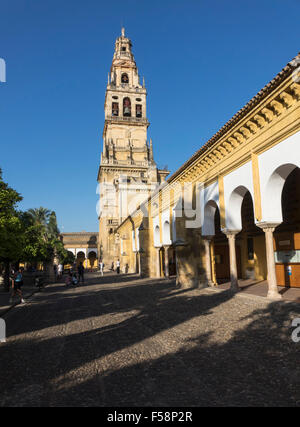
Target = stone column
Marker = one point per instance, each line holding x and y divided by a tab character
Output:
207	241
232	256
49	272
268	229
134	267
167	274
157	262
139	269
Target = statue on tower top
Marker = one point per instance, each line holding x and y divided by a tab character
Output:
123	32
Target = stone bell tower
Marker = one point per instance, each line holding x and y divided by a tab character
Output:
127	173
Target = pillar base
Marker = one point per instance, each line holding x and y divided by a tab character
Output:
235	287
274	296
210	284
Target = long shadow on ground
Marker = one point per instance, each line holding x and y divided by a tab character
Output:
257	365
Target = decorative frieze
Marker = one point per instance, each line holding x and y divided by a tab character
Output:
278	107
268	113
287	98
260	120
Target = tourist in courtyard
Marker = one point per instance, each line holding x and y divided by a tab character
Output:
80	272
60	270
118	266
17	284
112	266
74	278
69	279
101	267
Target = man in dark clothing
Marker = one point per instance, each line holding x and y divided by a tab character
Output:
80	272
118	266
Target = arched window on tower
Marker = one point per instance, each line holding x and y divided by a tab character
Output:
115	109
138	110
124	78
126	107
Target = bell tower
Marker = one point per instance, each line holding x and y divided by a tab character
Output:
127	173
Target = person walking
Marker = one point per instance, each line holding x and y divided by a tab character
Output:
80	271
60	270
17	283
118	266
101	268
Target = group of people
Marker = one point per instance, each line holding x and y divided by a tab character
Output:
112	268
16	278
73	277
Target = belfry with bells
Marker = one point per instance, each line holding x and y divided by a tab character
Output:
128	173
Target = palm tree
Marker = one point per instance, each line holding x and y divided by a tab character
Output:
40	216
53	231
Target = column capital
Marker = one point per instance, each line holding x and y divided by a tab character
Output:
230	233
267	226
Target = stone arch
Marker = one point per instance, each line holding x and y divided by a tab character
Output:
92	256
208	228
80	257
80	254
271	196
157	236
233	208
166	233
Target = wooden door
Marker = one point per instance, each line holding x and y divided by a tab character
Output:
222	262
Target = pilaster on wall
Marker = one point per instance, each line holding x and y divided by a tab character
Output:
222	201
256	187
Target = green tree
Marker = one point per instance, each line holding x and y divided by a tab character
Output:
40	216
31	236
52	228
64	256
11	236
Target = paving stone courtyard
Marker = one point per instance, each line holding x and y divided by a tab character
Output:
123	341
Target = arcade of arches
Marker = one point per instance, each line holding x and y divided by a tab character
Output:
84	246
245	206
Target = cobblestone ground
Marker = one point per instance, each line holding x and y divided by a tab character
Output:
119	341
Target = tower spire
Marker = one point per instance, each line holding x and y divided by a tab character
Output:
123	32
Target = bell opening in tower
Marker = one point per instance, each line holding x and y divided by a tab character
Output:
138	110
115	109
126	107
124	78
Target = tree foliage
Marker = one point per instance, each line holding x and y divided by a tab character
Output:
31	236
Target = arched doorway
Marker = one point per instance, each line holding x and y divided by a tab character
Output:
251	240
221	253
287	234
92	258
80	258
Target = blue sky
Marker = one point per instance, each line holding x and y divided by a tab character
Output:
202	61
